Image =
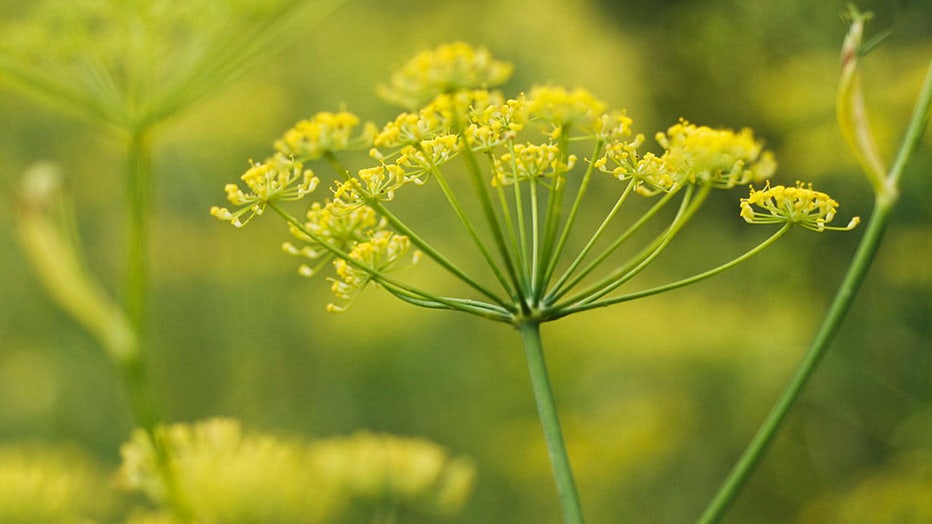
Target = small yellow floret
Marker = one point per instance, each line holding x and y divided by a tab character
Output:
562	108
799	205
527	161
277	179
381	252
325	132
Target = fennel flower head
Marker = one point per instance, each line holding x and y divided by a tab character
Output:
515	173
132	64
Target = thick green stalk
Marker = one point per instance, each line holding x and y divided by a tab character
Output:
768	429
139	196
886	194
547	410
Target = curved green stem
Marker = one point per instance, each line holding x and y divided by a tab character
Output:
479	185
547	410
886	194
595	238
643	259
768	429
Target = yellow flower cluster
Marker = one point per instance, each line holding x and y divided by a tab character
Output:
278	178
692	155
333	226
719	157
528	161
395	471
561	108
798	205
324	133
447	69
378	254
222	474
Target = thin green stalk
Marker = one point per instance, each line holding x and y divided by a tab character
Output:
471	229
554	257
139	189
434	254
596	236
521	247
647	255
639	262
547	410
479	184
532	269
555	200
559	312
566	283
394	286
515	233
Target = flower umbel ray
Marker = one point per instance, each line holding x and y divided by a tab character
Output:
800	205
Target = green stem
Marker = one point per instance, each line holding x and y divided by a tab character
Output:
470	229
479	185
643	259
568	281
554	257
142	398
434	254
139	187
768	429
886	194
547	410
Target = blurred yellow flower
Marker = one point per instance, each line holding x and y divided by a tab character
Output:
223	474
41	483
720	157
446	69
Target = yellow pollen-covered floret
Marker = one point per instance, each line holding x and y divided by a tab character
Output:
719	157
527	161
325	132
799	204
276	179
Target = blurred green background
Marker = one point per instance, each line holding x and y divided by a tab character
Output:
658	396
